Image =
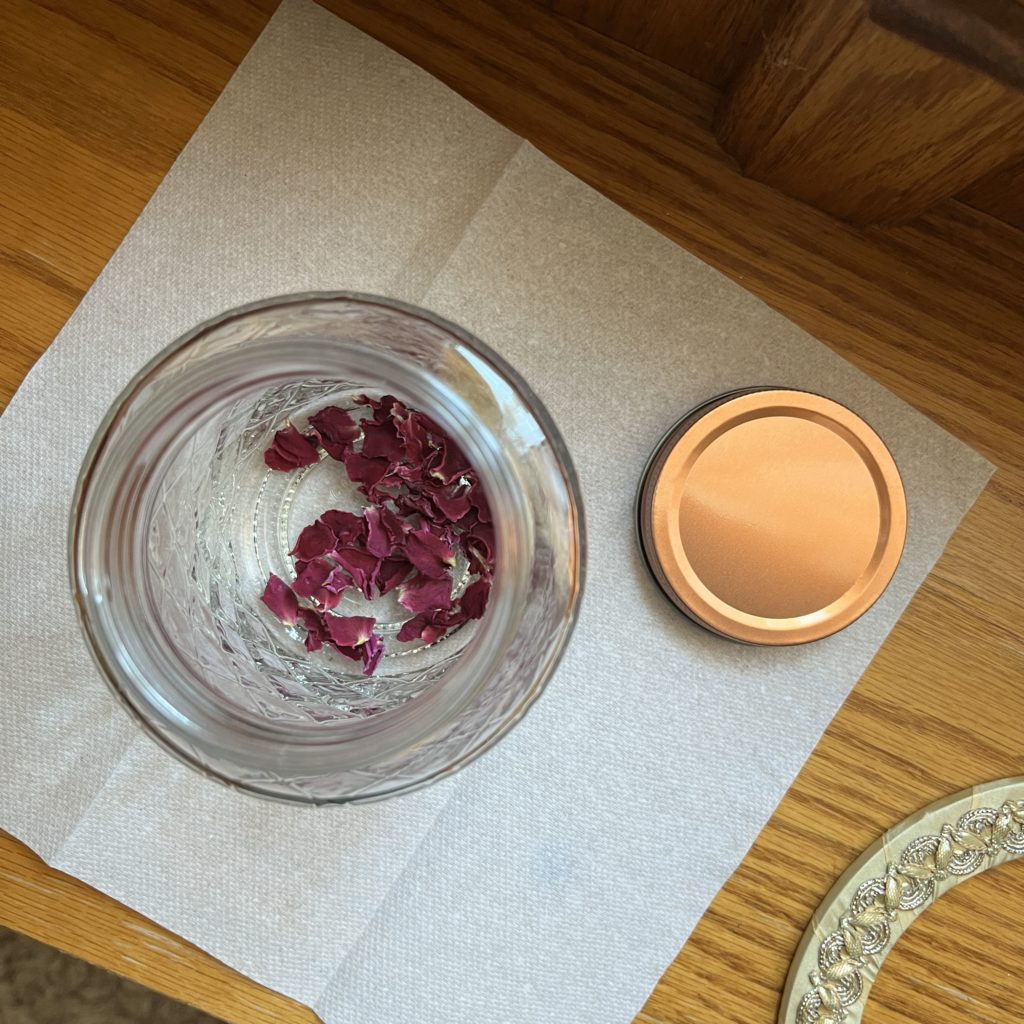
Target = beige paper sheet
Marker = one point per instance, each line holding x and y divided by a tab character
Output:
556	878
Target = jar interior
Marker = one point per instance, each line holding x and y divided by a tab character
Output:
220	522
178	523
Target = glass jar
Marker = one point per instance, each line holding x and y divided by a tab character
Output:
177	523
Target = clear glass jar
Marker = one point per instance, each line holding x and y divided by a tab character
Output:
177	522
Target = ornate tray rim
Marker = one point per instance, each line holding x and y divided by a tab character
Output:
887	887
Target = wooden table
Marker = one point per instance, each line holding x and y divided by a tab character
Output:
96	99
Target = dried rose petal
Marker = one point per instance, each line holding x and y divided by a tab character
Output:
447	464
378	539
478	544
382	407
479	502
420	503
361	566
381	441
336	429
290	449
314	540
454	501
355	653
316	631
396	526
373	651
329	595
392	572
427	626
349	630
362	470
312	577
474	599
425	594
413	433
429	553
280	599
346	527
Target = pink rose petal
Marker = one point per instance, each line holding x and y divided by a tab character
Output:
290	449
280	599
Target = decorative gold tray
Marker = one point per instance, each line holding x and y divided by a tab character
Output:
887	887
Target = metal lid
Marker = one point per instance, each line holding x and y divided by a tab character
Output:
772	516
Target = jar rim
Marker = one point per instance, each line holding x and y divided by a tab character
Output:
114	674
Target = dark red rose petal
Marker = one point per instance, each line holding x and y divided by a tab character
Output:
479	502
381	441
362	470
336	429
382	407
349	630
412	432
396	526
448	463
361	566
474	600
424	594
355	653
346	527
378	538
316	631
478	544
373	651
392	572
427	626
280	599
429	553
312	577
314	540
453	502
329	595
290	449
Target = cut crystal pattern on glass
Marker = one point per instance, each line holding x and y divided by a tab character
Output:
179	523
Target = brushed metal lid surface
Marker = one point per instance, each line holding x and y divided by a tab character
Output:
773	516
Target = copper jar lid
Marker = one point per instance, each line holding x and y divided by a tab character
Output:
772	516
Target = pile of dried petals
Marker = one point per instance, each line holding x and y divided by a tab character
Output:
424	501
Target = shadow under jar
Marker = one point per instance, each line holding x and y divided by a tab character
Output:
177	523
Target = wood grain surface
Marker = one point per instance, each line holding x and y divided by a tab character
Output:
1000	193
709	39
97	99
864	123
